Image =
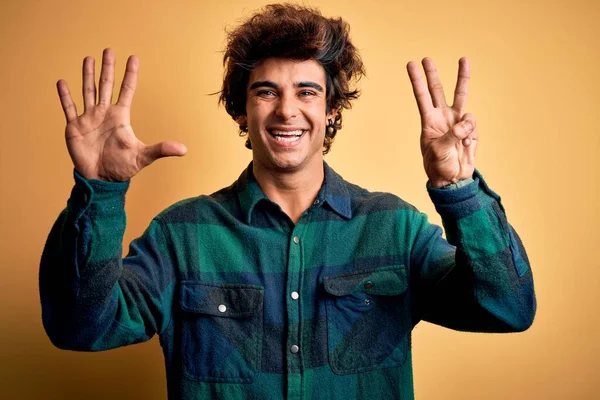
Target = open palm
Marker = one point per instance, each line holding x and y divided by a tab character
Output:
448	136
101	141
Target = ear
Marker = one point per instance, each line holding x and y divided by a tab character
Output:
331	114
241	120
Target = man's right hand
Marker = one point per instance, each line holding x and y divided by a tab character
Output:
101	141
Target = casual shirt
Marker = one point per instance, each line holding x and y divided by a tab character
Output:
249	305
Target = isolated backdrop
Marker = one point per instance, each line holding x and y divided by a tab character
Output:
534	92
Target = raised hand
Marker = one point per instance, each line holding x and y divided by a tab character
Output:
448	135
101	141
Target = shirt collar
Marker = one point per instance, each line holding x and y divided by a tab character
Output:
334	192
249	193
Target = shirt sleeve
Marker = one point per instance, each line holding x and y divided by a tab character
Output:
480	278
92	299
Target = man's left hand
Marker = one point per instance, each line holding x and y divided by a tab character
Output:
448	135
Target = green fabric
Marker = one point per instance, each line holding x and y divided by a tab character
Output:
216	277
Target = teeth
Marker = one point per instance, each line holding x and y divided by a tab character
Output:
287	138
287	133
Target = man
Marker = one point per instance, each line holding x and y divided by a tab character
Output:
290	283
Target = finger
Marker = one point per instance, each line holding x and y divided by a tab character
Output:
433	82
66	101
469	151
462	85
460	131
107	77
163	149
129	82
419	88
89	83
471	139
472	134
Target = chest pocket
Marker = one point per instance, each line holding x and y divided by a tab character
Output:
368	319
222	329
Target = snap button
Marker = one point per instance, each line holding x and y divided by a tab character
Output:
222	308
295	295
294	349
317	201
368	285
296	239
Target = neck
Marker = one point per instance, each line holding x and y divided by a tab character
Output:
294	191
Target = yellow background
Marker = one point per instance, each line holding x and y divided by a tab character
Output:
534	92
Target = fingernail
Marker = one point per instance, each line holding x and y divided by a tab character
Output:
468	127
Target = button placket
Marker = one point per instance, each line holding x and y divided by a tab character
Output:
293	305
295	273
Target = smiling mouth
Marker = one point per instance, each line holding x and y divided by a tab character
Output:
286	136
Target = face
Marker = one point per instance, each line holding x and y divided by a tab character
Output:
286	114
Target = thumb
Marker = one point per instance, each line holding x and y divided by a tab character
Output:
160	150
460	131
464	127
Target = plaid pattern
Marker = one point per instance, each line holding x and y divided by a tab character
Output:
249	305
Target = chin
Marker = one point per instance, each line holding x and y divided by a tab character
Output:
288	164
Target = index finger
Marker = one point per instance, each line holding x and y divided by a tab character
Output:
462	85
129	83
433	81
422	95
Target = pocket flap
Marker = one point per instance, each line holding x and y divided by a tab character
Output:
222	300
385	281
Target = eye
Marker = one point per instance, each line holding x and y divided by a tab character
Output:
266	93
307	93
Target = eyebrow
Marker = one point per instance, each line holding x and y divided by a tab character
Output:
313	85
273	85
258	84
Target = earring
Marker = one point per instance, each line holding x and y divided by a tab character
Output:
330	127
244	132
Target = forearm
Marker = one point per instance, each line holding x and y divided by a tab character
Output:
486	283
87	302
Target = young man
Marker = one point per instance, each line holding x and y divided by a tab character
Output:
290	283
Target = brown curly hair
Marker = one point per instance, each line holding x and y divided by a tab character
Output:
298	33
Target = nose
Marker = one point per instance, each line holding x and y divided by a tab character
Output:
287	107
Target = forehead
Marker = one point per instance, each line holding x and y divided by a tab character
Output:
284	71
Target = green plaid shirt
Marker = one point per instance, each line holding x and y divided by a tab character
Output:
249	305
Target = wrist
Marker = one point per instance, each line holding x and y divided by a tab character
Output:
437	184
456	184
